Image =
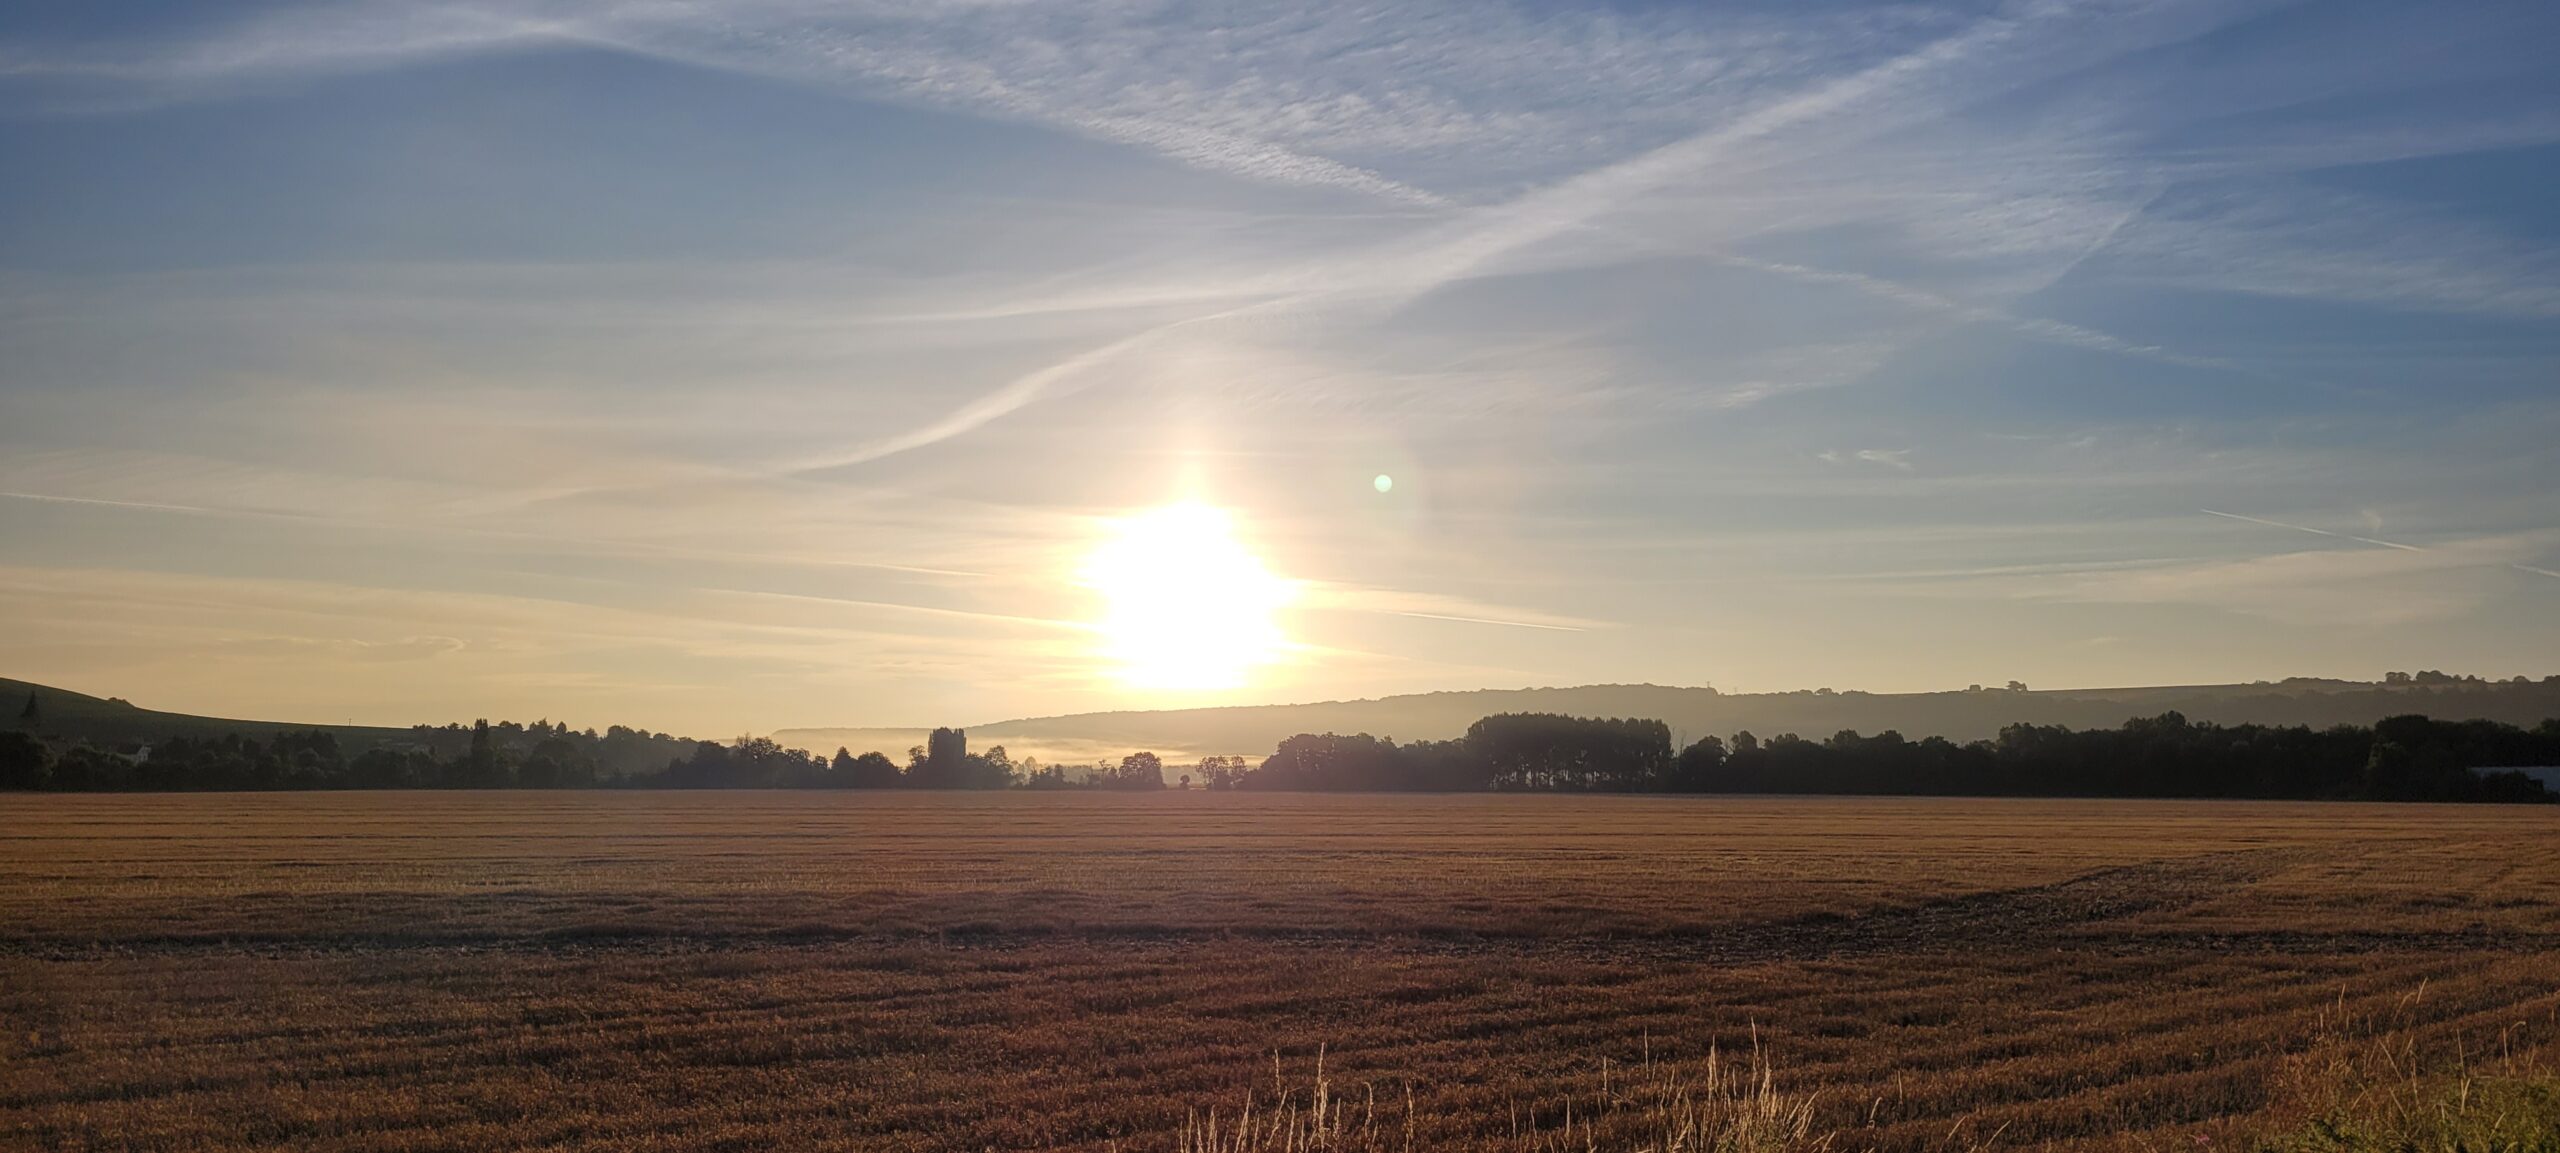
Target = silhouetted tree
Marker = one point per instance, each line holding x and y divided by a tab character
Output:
381	768
1329	761
868	771
941	763
2403	758
1698	766
1220	773
2400	758
556	762
944	762
1550	751
945	748
23	763
480	768
706	768
1139	771
84	768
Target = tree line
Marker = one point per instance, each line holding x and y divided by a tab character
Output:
2407	758
541	755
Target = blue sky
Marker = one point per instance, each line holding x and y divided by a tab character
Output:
728	367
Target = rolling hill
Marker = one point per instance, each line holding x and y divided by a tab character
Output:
1181	734
1962	715
61	714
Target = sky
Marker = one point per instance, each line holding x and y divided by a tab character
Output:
721	367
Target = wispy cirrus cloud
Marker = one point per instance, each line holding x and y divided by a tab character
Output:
2323	244
1340	597
2355	588
1700	305
2314	531
1315	95
2374	541
1898	87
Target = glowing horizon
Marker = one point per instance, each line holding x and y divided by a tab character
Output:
745	366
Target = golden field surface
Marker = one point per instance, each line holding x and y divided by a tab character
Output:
772	970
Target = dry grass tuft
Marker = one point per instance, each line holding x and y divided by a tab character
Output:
2370	1084
1318	1119
1714	1106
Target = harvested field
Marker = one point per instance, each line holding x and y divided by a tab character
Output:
1015	971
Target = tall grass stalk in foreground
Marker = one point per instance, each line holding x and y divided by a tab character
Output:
1717	1106
2363	1086
2367	1083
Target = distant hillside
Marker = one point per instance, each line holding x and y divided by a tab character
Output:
61	714
1186	734
1695	712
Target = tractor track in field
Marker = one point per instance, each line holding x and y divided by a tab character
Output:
2085	914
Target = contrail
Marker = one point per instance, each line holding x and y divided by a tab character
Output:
1022	390
152	506
51	499
2314	531
2050	331
2555	575
1509	624
1400	273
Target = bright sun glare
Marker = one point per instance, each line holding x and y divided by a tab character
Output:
1185	604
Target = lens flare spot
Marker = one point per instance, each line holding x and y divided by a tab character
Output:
1384	483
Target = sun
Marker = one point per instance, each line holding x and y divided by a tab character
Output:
1185	605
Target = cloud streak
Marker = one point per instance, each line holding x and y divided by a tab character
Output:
1699	306
2517	566
1470	246
2379	588
2313	531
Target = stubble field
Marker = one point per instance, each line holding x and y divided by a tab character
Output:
1030	971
